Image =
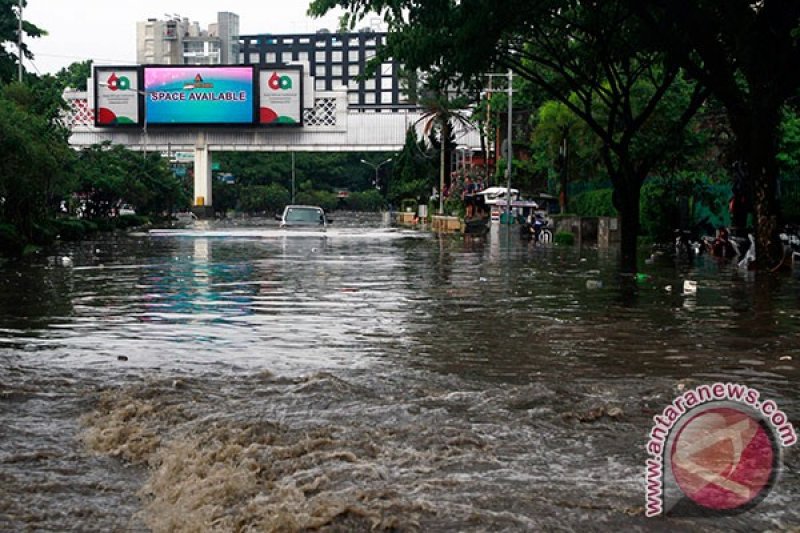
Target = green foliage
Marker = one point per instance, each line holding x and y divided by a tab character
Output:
326	200
370	200
597	203
790	199
592	57
9	22
74	229
131	221
454	206
109	176
660	204
268	199
11	242
323	171
789	152
556	126
661	200
75	75
33	169
226	196
564	238
414	171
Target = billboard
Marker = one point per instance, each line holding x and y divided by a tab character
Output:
280	96
117	97
199	95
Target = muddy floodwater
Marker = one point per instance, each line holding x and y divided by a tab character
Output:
236	377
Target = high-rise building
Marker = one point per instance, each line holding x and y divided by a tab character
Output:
337	60
176	41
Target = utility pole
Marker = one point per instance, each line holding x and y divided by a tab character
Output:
293	175
487	131
19	42
563	152
510	150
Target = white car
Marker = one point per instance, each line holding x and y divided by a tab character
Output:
304	216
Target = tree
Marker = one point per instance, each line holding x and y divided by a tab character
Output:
109	176
325	170
748	54
9	26
414	171
557	130
587	55
75	75
33	167
443	115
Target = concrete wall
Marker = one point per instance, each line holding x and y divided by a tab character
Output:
602	231
608	232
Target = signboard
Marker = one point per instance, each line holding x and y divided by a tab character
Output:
117	97
281	96
183	157
199	95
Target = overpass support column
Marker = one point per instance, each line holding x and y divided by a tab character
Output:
202	178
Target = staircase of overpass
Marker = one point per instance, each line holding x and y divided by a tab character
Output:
328	126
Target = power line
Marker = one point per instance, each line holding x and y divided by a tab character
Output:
95	59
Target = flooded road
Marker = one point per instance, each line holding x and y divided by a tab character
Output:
237	377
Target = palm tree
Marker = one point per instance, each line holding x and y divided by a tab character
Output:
447	116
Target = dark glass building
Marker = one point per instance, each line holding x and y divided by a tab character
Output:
335	60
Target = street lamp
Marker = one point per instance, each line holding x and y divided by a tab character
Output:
377	167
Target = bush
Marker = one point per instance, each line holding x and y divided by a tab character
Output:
44	232
454	206
105	224
11	242
326	200
597	203
73	229
264	198
564	237
70	229
658	212
131	221
370	200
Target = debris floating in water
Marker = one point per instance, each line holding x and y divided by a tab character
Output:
689	287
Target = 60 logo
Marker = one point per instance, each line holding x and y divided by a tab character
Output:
118	83
282	83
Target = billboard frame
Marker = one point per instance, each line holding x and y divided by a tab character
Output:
279	66
171	125
139	96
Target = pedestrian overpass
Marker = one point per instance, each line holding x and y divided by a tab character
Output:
328	126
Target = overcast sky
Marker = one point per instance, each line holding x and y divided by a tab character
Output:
105	30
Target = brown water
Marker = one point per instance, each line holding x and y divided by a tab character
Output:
239	378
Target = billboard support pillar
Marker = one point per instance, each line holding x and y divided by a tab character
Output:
202	178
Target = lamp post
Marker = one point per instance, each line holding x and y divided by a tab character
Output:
377	167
